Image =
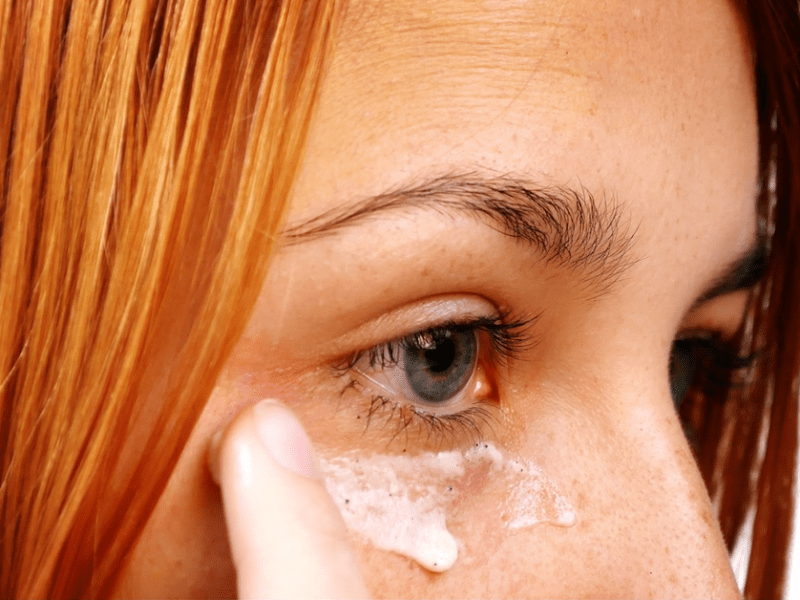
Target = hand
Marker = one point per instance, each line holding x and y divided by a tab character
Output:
287	538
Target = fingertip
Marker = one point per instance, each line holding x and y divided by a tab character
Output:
279	432
286	536
285	439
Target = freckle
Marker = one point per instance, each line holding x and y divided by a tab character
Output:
347	500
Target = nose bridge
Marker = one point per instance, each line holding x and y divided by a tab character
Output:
673	533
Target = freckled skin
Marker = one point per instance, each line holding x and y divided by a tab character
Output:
653	107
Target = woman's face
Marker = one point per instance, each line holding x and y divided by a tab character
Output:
550	189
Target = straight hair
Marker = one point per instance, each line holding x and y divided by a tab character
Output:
148	149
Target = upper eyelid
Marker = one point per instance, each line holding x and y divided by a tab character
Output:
743	273
724	314
379	350
423	315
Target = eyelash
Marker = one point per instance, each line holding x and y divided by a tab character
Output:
721	368
509	337
720	361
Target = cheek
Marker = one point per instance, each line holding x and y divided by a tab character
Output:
183	550
616	512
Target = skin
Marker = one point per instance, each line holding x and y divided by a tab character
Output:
651	105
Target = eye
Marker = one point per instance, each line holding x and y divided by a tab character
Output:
706	363
440	378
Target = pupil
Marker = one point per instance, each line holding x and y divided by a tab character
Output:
441	357
438	365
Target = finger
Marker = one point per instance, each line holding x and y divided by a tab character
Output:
287	538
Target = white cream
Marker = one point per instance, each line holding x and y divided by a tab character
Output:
400	503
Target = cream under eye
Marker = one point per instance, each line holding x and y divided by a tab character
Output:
415	505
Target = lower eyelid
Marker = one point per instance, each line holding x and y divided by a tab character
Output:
398	421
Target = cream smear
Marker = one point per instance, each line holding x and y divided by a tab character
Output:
401	503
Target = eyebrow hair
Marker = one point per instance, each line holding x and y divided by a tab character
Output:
568	227
743	273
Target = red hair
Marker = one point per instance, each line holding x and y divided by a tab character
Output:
148	149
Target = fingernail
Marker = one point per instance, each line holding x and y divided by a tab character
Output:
285	438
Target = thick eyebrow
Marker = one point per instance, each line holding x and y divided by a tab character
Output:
743	273
568	227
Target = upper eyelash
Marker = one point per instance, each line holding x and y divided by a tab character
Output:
509	336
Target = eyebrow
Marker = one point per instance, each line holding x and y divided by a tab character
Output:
569	227
743	273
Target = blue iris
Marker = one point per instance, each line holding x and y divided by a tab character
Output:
439	364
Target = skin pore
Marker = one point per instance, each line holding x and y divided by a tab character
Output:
430	104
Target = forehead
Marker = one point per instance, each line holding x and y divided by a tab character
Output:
651	102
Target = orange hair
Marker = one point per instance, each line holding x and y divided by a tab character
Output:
148	149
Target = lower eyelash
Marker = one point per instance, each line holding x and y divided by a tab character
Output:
446	429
